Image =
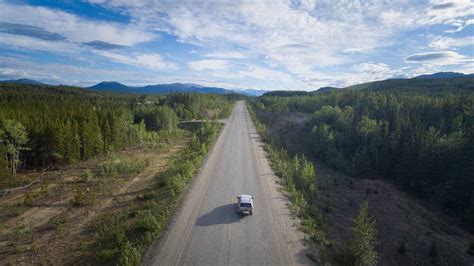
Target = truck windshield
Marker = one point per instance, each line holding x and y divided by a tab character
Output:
245	205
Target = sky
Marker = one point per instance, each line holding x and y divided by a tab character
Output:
271	45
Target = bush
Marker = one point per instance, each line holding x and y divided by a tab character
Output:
130	256
87	176
109	238
82	198
29	200
123	168
147	223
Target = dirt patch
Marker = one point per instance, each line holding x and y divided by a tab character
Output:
406	229
49	222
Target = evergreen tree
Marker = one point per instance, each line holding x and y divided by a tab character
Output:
14	138
362	245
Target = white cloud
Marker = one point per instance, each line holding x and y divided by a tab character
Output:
150	61
74	28
228	55
373	71
292	35
263	73
457	13
438	58
209	64
443	43
429	69
301	39
461	25
24	42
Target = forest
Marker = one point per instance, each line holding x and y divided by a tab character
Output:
418	134
42	127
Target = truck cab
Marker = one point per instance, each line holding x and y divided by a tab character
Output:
245	205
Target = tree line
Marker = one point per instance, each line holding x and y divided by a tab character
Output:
44	126
421	138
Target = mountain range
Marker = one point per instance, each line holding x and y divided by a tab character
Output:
23	81
158	88
443	75
112	86
170	88
434	82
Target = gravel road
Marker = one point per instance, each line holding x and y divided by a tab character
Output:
206	230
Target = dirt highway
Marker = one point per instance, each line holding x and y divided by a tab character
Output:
206	230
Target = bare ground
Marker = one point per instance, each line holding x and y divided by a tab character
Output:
401	219
48	229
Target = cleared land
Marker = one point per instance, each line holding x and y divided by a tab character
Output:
52	221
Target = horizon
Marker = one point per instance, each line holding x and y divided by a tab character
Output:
233	45
229	89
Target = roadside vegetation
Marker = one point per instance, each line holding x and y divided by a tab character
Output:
92	178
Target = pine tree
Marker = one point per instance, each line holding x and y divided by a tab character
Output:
362	245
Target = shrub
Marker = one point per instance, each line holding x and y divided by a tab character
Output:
87	176
146	197
109	238
123	168
130	256
82	198
147	223
29	200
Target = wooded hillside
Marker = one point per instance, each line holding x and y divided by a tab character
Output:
420	135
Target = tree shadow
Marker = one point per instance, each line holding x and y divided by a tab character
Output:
225	214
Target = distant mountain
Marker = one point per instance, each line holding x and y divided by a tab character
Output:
287	93
442	75
464	82
111	86
23	81
251	92
158	88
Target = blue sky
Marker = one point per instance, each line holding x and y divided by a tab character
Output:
272	45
